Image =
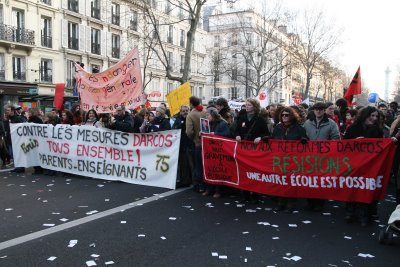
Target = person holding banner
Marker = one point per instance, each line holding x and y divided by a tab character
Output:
218	126
92	119
366	125
122	121
161	121
288	128
320	127
252	127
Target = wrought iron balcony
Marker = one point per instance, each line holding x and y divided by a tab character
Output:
2	75
18	35
115	52
19	75
115	19
47	41
96	49
73	43
95	13
46	78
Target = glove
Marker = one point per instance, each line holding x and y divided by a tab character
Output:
304	140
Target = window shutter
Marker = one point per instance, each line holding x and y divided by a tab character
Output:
82	7
108	10
64	33
103	43
81	37
88	39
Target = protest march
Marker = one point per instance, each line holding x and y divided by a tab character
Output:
327	151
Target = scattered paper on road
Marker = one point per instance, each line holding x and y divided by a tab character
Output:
72	243
48	224
365	255
52	258
214	254
109	262
91	263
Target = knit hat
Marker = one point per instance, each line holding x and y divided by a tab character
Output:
161	110
213	112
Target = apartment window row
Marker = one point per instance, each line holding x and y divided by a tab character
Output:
19	70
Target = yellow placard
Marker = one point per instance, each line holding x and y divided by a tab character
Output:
178	97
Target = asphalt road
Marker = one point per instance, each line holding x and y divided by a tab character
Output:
139	226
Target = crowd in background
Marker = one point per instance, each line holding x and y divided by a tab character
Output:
322	121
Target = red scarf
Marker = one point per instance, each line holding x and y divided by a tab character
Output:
199	107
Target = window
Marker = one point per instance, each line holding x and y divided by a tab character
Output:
168	8
2	71
96	41
217	92
170	87
217	40
73	33
19	72
115	12
182	63
234	74
18	21
95	68
234	39
182	40
180	14
46	70
45	31
170	60
115	44
71	82
95	9
200	92
233	93
73	5
170	34
134	21
47	2
249	37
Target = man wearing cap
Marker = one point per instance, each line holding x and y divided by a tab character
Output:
320	127
161	122
13	117
122	121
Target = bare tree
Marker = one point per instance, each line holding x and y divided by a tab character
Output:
313	40
258	50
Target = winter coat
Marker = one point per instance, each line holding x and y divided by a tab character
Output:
94	123
180	123
250	130
160	123
327	129
35	119
366	131
294	132
220	128
123	123
193	124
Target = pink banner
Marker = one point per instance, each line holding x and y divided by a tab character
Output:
120	85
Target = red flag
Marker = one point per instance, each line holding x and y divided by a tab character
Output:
354	88
59	96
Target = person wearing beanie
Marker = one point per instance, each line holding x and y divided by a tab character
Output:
224	110
192	131
161	122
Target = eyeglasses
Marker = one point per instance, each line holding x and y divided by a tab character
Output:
285	115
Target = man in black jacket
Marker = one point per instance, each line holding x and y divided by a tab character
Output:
122	121
13	117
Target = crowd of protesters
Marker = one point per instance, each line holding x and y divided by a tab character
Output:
322	121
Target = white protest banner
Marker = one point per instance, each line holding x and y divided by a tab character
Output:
146	159
236	105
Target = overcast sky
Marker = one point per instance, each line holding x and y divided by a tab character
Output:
371	36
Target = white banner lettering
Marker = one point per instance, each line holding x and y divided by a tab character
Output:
145	159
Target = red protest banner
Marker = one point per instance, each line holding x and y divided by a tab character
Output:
346	170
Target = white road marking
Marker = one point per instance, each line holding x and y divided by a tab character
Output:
64	226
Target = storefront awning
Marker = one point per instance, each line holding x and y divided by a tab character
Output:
18	88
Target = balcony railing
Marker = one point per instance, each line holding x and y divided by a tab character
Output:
2	75
95	13
73	43
19	75
47	2
115	19
47	78
73	5
96	49
47	41
115	52
18	35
